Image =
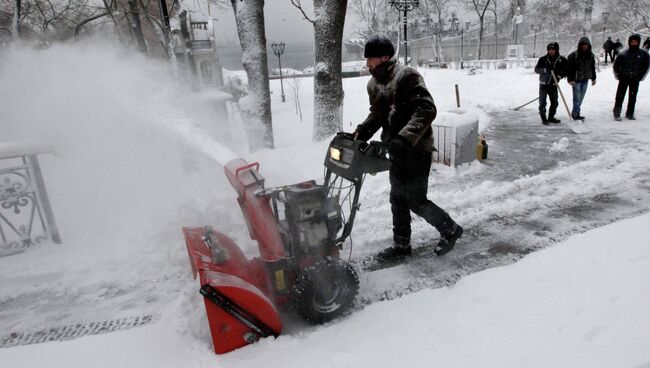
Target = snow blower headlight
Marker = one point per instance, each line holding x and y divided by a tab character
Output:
335	154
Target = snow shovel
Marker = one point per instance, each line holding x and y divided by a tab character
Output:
576	126
526	104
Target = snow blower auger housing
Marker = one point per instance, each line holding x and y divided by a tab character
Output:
299	230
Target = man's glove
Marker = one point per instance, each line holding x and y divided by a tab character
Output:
361	133
398	149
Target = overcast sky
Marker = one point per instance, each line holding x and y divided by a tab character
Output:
283	21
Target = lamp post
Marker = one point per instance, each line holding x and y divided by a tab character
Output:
605	16
278	50
535	28
405	6
462	40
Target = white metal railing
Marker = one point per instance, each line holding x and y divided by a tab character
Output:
26	216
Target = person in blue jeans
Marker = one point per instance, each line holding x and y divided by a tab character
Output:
581	68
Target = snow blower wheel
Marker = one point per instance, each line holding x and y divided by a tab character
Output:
325	290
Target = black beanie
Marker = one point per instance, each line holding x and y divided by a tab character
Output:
635	36
377	46
553	45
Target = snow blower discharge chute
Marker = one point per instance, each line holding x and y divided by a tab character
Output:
300	230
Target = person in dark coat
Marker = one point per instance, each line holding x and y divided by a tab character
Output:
581	67
630	68
551	62
617	47
608	47
646	44
403	108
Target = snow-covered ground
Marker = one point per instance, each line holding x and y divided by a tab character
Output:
138	156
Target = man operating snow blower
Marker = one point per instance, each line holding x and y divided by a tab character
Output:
403	108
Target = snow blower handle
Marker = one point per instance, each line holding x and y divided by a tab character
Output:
256	165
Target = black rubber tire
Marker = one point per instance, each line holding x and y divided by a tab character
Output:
325	290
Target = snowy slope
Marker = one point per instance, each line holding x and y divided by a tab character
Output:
138	156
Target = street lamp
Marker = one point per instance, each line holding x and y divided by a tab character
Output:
405	6
278	50
605	16
462	41
535	28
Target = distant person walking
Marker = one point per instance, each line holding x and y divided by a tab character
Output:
581	68
630	68
646	44
551	62
618	46
608	47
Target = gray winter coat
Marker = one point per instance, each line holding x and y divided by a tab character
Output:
400	104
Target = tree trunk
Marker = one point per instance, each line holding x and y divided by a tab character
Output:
256	107
480	36
15	24
589	7
328	86
136	26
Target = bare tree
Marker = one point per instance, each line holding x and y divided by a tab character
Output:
438	11
256	107
480	7
631	15
328	86
377	15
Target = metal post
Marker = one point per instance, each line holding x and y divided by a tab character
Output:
462	31
406	38
405	6
278	50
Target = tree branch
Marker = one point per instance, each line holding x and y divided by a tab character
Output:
298	5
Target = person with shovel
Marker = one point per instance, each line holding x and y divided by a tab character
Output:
550	63
581	67
403	108
630	68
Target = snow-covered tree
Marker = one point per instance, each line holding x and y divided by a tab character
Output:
631	15
256	106
328	21
438	11
377	16
480	7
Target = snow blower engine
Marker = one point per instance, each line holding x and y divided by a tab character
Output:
300	230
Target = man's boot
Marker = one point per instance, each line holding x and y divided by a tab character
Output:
448	240
630	117
401	248
396	252
553	120
543	116
617	117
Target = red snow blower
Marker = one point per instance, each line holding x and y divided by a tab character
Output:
299	229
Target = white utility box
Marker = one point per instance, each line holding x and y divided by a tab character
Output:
455	135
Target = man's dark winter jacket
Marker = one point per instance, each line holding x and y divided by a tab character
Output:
608	45
400	104
581	65
632	64
548	63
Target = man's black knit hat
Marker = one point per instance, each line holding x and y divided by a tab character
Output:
636	37
553	45
377	46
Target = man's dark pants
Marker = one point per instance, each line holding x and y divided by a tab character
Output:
551	92
409	181
623	85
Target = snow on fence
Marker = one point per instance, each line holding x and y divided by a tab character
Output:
26	215
455	135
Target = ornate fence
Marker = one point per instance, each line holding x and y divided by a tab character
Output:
26	216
